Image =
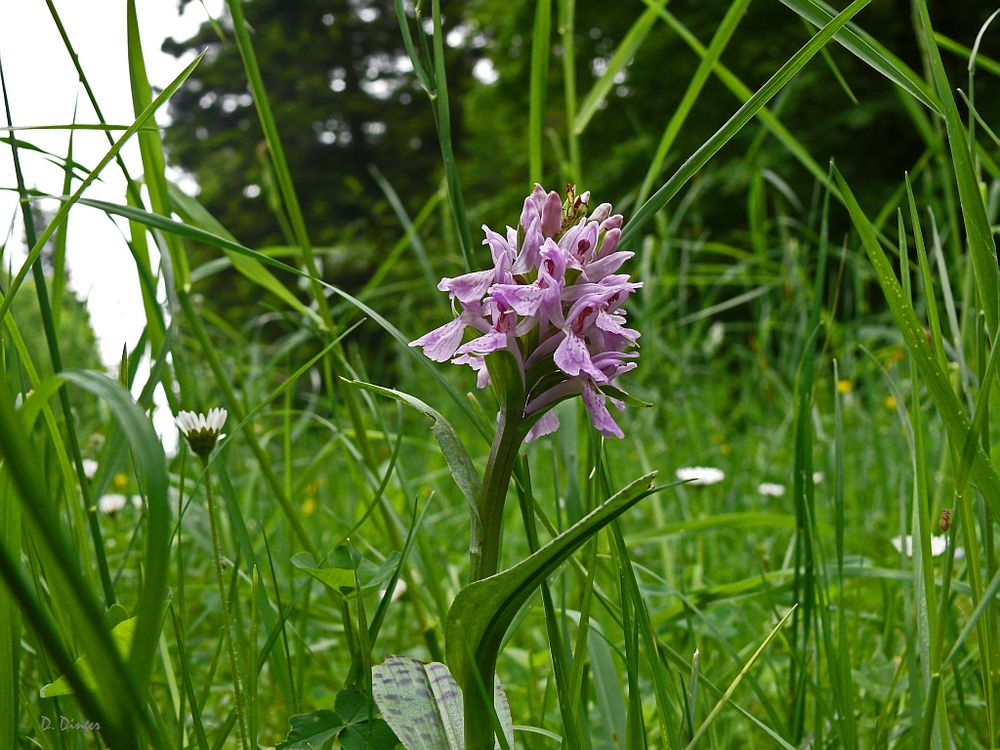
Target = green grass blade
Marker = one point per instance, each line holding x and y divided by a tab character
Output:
195	214
709	60
455	454
148	455
200	235
737	680
979	235
276	152
937	382
540	39
68	203
870	51
742	116
622	56
443	119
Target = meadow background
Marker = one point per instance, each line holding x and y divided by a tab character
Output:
818	317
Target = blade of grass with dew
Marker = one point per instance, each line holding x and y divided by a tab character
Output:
735	123
720	39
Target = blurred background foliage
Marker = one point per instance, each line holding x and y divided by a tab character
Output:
346	100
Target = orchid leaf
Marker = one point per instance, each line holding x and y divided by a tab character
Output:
422	703
483	611
452	447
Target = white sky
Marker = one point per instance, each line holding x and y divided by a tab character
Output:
43	89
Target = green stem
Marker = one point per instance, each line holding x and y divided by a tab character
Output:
484	561
484	550
230	633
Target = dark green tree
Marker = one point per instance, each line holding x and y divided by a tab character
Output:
344	97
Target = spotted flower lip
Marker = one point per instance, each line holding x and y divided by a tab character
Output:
554	300
202	431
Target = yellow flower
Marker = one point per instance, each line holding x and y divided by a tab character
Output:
308	506
725	449
120	481
890	402
844	386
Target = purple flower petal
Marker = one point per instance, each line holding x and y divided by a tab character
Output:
600	417
612	222
524	300
606	266
572	357
600	213
610	242
546	425
489	342
469	287
478	364
551	214
501	250
441	343
615	324
530	247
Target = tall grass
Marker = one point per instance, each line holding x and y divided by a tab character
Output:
709	616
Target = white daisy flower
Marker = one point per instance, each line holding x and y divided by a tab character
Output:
202	431
89	467
939	542
702	475
818	477
771	489
112	503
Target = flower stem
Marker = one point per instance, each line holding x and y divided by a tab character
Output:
230	631
484	561
484	552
